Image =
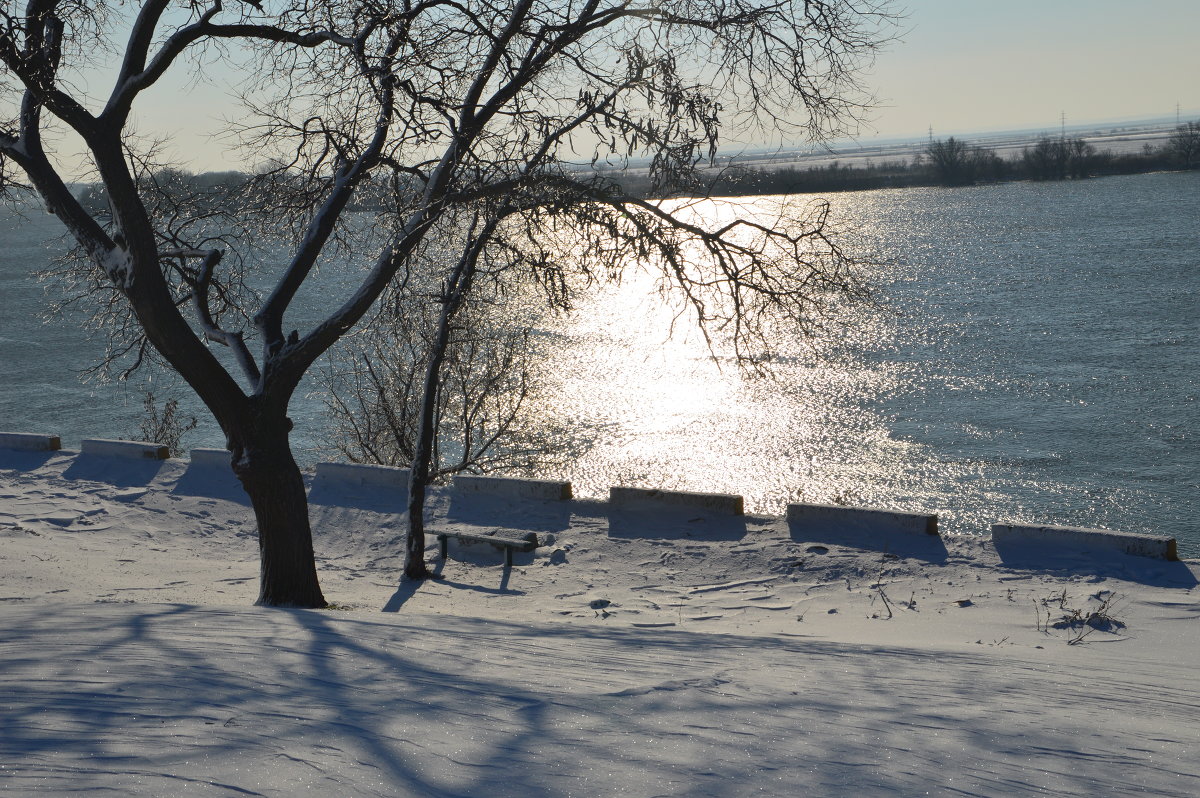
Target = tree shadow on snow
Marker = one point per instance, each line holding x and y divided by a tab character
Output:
156	699
404	591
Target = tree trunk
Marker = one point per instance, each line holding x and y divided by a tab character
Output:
414	542
272	480
418	475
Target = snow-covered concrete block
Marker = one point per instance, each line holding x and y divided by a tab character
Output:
210	458
101	447
360	475
547	489
647	498
863	518
30	442
1159	546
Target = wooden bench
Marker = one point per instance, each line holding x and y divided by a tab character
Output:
526	542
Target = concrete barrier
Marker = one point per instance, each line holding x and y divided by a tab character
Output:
30	442
862	518
100	447
1159	546
646	498
360	475
210	458
546	489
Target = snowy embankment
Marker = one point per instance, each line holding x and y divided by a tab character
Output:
636	653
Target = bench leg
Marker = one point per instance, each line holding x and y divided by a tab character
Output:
507	557
442	545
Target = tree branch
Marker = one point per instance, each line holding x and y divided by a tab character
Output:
136	77
200	300
269	319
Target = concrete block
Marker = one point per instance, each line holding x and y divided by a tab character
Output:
646	498
30	442
100	447
1158	546
210	458
546	489
360	475
862	518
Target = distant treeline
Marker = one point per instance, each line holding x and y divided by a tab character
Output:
168	189
953	162
949	162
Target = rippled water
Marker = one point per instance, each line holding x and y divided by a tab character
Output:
1041	364
1038	360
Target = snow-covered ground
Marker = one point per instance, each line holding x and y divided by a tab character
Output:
636	654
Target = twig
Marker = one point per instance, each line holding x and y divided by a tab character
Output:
887	604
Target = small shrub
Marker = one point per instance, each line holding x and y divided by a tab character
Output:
1079	621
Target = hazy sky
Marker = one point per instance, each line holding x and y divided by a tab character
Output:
962	66
965	66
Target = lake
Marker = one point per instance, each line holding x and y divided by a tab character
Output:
1036	358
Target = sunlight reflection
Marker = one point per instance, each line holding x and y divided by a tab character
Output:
671	413
974	390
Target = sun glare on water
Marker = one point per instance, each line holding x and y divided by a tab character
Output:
666	408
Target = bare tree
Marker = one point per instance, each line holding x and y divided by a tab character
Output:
1058	159
462	121
487	392
1184	145
957	163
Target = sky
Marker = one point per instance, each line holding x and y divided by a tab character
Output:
964	66
958	66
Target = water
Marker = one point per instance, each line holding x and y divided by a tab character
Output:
39	361
1039	362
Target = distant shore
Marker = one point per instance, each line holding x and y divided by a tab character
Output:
986	159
